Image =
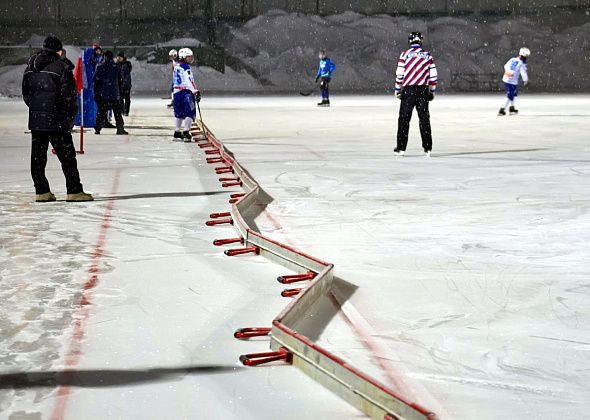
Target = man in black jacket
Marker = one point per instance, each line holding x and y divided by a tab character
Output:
124	82
49	90
106	93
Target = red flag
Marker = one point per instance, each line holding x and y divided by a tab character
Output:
78	75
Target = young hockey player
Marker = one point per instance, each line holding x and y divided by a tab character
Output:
415	84
172	56
513	69
185	94
324	75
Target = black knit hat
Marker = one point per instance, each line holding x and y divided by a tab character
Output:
121	54
52	43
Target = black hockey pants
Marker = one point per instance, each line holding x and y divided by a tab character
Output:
414	96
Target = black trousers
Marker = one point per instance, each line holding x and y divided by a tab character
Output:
125	102
414	97
325	87
66	153
103	109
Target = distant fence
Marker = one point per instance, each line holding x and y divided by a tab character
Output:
155	53
475	82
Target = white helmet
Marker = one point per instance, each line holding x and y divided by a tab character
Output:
524	52
185	52
172	53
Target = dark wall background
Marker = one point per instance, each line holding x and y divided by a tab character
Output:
151	21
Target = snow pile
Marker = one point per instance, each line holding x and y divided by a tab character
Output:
282	48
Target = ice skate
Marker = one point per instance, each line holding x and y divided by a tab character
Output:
177	135
502	111
122	132
427	153
513	111
399	152
45	198
81	196
170	105
187	136
324	103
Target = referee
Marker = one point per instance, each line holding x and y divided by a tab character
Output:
415	84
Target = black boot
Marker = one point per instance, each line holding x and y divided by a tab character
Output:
178	135
325	102
502	111
121	131
187	136
513	110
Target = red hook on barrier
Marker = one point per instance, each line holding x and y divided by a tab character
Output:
255	359
212	152
219	222
232	184
237	195
242	251
219	215
293	278
221	242
222	170
234	200
246	333
205	145
229	179
290	292
215	160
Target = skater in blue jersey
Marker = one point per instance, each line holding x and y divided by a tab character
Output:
186	94
324	75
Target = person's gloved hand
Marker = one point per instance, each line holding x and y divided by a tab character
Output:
398	94
198	96
317	78
430	96
526	83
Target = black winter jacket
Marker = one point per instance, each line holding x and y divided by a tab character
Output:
49	90
125	76
106	82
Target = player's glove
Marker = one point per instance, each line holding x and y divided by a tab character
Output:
526	83
198	96
430	96
398	94
317	78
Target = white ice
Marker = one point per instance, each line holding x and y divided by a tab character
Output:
462	280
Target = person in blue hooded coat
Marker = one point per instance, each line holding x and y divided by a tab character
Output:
90	59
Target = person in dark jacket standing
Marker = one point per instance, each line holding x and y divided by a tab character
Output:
124	82
106	93
49	90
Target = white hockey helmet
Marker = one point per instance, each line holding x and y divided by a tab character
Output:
173	53
524	52
185	52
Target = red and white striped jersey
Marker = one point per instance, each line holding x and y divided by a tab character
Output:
415	68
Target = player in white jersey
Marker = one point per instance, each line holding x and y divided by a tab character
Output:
513	70
186	94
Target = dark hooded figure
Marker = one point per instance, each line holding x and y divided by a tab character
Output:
49	90
106	93
124	82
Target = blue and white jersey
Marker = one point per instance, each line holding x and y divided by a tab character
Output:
183	78
514	68
326	68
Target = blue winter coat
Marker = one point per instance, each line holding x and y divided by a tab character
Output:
106	82
326	68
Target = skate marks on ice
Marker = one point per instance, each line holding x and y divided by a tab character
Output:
40	285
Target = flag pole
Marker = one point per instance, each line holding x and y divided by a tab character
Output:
81	151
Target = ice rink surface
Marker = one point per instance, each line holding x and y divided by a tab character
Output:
462	279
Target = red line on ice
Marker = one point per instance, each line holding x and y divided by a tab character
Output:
82	313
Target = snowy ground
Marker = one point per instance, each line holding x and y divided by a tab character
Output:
462	279
155	337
